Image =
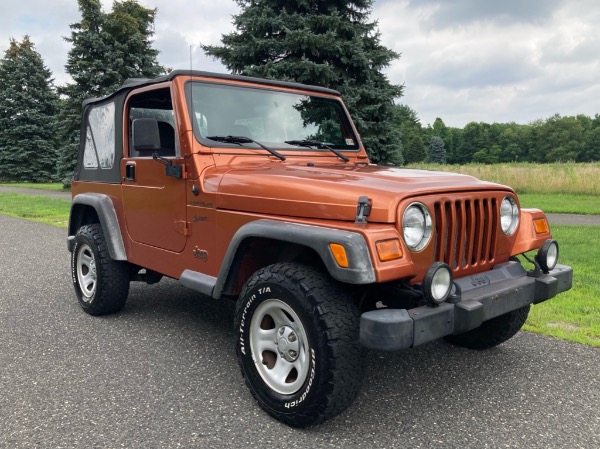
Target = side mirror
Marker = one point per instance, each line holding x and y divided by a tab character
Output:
146	136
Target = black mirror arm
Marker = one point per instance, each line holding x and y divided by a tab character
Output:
170	169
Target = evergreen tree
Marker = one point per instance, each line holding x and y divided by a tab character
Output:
28	107
414	148
131	27
439	129
437	150
327	43
106	50
407	123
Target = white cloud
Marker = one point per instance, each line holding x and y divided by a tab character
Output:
511	61
45	22
465	60
184	23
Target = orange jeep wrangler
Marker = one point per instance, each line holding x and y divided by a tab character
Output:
261	192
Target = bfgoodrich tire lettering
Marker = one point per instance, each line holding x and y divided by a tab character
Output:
101	284
297	344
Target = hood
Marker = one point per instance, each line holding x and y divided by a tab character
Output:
331	191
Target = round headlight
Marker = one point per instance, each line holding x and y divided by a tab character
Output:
416	226
509	215
437	283
547	255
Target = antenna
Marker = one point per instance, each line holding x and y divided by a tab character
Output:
192	93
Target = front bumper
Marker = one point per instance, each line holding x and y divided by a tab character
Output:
478	298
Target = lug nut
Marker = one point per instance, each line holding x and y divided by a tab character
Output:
281	330
292	337
293	353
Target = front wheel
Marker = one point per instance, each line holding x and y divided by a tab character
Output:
298	344
492	332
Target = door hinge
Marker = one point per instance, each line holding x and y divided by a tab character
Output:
184	171
183	227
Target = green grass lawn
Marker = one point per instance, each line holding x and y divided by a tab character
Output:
562	204
42	209
57	186
573	315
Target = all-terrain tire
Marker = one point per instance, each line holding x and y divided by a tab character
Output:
101	283
492	332
297	343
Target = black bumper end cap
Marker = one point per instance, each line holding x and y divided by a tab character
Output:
386	329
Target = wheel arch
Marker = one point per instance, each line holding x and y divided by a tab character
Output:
88	208
255	252
277	240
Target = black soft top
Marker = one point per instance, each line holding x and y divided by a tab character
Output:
133	83
111	174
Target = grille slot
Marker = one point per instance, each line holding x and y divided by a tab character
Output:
465	232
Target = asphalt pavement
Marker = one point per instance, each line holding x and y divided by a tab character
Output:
162	374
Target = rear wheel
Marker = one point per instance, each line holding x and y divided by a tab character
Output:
492	332
298	344
101	284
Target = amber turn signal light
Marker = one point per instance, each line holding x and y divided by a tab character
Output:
339	254
541	226
389	249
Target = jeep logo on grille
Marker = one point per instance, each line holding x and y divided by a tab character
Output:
480	280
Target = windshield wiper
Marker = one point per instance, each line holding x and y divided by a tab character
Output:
242	139
315	143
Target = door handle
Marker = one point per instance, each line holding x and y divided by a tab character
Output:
130	171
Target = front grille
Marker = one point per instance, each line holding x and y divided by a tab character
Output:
466	232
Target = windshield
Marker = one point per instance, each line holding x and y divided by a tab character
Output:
268	116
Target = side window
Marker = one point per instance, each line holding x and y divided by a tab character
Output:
154	104
100	138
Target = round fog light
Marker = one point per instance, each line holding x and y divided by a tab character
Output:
547	255
437	284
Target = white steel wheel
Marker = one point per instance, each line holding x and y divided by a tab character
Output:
297	343
86	272
280	347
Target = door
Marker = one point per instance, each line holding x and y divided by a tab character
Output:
154	203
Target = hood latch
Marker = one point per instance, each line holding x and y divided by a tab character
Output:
363	209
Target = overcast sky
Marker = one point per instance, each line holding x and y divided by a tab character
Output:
462	60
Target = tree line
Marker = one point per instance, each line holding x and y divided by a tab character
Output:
554	139
331	43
